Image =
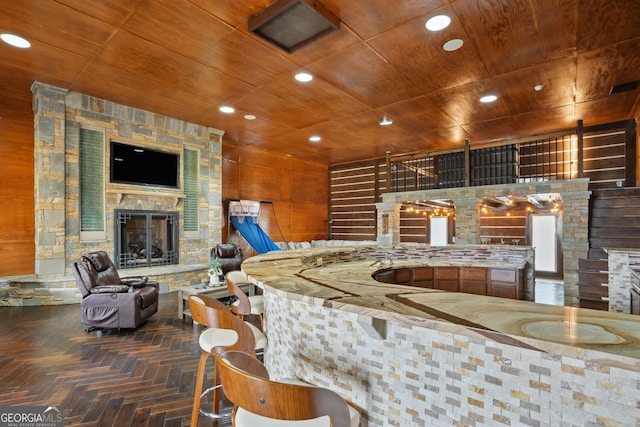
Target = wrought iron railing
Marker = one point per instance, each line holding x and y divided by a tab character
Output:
556	156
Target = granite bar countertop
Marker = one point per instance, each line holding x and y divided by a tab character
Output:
341	278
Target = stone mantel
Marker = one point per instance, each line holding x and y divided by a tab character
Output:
122	192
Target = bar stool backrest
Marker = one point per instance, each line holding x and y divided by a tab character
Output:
246	384
212	313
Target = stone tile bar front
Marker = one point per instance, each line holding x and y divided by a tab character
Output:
421	357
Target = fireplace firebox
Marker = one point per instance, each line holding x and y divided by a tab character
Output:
145	238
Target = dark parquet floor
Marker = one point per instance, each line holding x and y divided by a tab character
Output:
142	377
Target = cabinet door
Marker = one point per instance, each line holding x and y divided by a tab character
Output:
403	276
502	290
446	278
473	280
505	283
423	277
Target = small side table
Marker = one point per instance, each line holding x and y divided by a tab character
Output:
210	291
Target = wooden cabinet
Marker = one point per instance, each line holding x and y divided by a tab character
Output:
446	278
496	282
473	280
419	276
403	276
505	283
422	277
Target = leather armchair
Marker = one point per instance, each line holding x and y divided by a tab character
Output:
107	300
230	256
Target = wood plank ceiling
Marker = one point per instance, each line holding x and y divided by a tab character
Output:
185	58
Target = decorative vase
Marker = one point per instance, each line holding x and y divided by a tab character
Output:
214	277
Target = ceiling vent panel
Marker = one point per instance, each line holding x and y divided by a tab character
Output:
293	24
624	87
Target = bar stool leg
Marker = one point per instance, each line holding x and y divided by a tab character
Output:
199	394
198	389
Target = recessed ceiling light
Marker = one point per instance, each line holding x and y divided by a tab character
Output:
304	77
438	22
385	121
452	45
538	88
226	109
15	41
314	138
249	117
488	98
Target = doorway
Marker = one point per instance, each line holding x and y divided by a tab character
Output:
545	238
439	230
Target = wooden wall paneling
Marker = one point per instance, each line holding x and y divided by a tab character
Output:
230	186
297	191
309	201
353	192
630	154
413	227
276	220
265	183
17	220
609	154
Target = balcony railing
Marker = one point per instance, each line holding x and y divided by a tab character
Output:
556	156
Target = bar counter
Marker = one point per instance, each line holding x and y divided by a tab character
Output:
413	356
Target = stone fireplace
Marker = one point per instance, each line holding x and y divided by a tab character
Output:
145	238
173	253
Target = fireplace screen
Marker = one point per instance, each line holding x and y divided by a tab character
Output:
145	238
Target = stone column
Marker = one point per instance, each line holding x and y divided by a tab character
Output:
49	182
466	222
214	191
388	217
575	237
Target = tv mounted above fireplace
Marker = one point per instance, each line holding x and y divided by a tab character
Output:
132	164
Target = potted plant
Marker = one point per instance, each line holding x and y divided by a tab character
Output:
215	271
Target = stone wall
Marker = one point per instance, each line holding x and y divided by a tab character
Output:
621	264
422	373
58	117
575	218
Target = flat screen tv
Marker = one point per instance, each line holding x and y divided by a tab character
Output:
143	166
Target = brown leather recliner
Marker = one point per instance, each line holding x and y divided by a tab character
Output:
108	301
230	256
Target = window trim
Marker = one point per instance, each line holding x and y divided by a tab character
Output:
89	236
191	234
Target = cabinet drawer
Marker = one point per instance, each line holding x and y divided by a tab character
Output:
450	285
473	287
422	273
446	272
503	291
473	273
423	284
508	276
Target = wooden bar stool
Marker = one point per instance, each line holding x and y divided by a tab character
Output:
259	401
224	332
244	305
